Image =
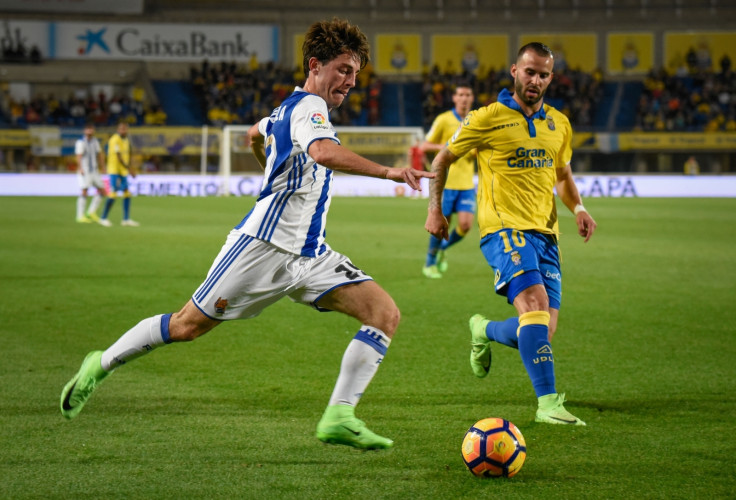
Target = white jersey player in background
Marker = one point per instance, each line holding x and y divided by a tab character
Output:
89	158
279	248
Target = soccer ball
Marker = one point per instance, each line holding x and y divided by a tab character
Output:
494	447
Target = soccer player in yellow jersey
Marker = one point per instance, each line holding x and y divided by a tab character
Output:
523	155
118	168
459	194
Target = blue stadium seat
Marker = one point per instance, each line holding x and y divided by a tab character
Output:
179	101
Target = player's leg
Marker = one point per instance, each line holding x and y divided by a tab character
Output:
535	350
81	203
127	221
379	317
430	269
147	335
114	187
96	200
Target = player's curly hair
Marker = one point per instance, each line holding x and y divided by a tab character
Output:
326	40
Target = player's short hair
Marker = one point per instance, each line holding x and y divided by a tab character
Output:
463	84
327	40
539	48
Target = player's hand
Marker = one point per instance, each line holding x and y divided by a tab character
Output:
436	224
586	225
408	175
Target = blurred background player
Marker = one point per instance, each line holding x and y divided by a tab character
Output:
459	194
417	160
118	168
279	247
524	154
89	159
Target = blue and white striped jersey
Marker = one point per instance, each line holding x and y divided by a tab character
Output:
291	210
89	149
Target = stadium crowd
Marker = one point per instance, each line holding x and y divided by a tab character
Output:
574	93
239	94
82	107
693	99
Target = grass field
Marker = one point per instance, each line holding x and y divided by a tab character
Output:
645	350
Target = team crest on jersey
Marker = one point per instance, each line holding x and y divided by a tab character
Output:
550	123
220	305
515	258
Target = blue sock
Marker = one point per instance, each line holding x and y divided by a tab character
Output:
504	332
108	205
126	208
536	352
434	245
454	237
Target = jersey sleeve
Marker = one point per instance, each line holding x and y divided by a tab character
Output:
435	132
79	147
262	125
310	121
470	134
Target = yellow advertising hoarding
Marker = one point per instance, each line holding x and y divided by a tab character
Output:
10	138
630	53
173	140
475	53
708	47
672	141
577	51
398	54
298	57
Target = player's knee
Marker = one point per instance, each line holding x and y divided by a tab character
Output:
389	319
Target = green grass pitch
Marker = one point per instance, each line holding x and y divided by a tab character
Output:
645	350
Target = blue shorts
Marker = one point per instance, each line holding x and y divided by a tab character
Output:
118	183
522	259
458	200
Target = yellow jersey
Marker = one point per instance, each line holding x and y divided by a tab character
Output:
517	161
460	174
116	145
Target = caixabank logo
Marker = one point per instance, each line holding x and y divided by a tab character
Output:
92	40
136	42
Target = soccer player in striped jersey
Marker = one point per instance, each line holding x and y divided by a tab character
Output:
279	249
524	154
89	159
459	194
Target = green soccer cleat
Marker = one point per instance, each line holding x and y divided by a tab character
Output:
442	261
480	352
93	217
84	220
431	272
551	411
78	390
339	426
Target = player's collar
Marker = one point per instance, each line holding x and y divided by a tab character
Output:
505	98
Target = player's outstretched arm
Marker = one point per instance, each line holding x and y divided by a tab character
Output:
570	196
330	154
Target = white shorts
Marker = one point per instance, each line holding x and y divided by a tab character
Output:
249	275
88	180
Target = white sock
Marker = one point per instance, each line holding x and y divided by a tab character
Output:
359	363
139	340
95	204
80	206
